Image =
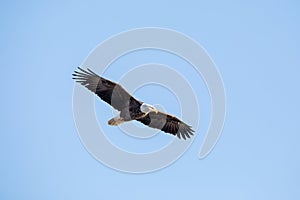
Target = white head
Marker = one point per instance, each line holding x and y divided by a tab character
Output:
146	108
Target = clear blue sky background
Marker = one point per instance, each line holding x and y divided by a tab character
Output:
256	47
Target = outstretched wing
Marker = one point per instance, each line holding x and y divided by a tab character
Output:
168	124
110	92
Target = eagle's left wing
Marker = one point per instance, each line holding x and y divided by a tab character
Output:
168	124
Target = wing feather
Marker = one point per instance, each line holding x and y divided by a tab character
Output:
168	124
110	92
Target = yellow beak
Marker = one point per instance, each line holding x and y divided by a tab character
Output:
154	110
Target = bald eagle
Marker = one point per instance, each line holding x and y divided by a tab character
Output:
129	107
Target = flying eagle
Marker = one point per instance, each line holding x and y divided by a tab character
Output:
129	107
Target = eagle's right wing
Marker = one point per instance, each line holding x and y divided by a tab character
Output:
110	92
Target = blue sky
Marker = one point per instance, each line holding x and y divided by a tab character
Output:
255	46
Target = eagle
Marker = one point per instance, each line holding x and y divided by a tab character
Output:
130	108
